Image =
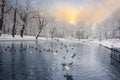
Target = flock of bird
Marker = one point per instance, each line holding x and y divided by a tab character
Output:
66	48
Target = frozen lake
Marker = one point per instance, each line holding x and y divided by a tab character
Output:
56	60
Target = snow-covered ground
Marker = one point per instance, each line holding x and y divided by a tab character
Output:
6	37
110	43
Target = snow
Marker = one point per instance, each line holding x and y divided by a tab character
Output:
6	37
110	43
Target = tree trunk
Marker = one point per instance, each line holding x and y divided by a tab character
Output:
38	34
2	16
52	35
4	29
14	24
1	26
22	31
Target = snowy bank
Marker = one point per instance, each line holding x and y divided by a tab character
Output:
6	37
110	43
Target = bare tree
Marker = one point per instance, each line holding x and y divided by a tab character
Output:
53	29
26	15
79	34
42	22
3	4
15	16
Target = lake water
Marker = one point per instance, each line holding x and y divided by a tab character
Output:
56	60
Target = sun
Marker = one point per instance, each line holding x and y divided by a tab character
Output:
67	14
73	22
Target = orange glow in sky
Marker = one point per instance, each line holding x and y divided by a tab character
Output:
91	11
73	16
67	14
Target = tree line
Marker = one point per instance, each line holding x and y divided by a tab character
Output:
21	15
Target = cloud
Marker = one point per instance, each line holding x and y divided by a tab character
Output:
92	11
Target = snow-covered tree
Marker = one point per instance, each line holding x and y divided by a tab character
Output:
4	8
42	22
26	14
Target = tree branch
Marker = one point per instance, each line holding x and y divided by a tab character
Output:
8	10
32	17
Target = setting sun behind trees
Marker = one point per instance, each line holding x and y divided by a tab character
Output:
75	15
67	14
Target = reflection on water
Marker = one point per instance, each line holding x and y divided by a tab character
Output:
68	77
22	62
57	60
1	69
13	50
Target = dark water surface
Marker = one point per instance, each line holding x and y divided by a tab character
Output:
56	60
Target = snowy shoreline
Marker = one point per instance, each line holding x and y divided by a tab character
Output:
109	43
6	37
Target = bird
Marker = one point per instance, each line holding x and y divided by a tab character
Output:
56	51
5	49
72	48
70	64
51	50
36	48
69	77
73	55
48	50
61	44
57	39
8	47
67	50
64	57
40	51
20	50
44	49
66	66
65	46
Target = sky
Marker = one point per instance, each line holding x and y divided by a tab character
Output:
75	11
